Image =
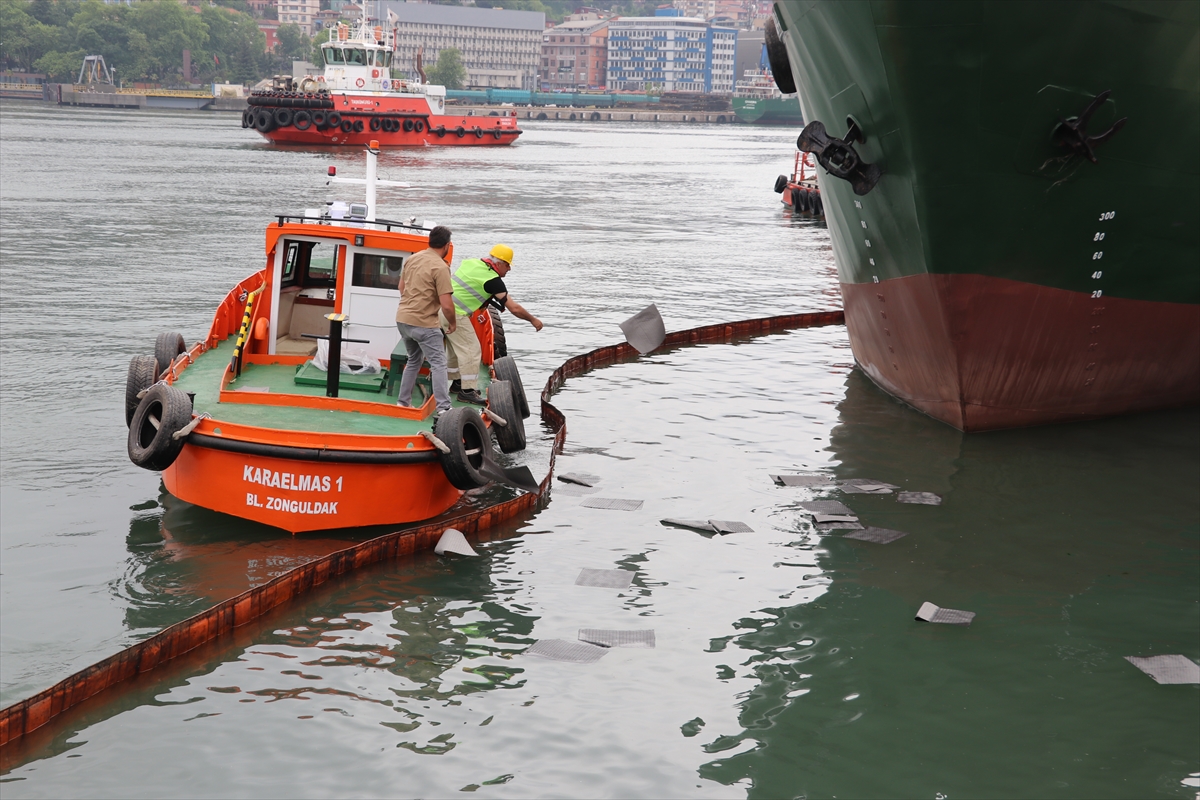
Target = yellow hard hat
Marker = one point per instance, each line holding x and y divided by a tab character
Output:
502	252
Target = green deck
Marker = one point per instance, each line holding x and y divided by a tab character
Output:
204	378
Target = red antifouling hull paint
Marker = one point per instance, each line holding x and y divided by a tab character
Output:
981	353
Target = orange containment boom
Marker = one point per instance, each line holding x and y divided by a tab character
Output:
20	719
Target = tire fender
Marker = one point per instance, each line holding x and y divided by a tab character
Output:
501	400
506	370
167	348
164	411
465	434
143	373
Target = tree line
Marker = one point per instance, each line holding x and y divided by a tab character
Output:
144	42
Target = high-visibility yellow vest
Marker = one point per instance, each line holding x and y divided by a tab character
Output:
469	279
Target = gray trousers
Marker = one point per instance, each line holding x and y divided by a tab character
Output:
424	344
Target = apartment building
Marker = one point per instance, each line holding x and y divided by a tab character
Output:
302	13
670	54
575	54
500	49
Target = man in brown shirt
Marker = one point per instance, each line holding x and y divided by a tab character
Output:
425	289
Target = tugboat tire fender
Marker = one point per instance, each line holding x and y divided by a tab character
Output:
780	184
163	411
319	119
283	117
264	120
496	133
478	132
247	118
465	434
460	131
358	126
501	401
777	55
167	348
302	120
506	370
376	123
418	126
440	131
333	119
312	454
408	126
143	373
347	126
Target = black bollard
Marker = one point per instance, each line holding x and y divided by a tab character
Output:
335	354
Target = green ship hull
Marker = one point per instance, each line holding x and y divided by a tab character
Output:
768	111
993	277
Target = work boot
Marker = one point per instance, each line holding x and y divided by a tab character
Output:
455	386
471	396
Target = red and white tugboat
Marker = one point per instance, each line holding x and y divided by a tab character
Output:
801	192
357	101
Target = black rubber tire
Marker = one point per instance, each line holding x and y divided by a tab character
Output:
247	118
496	134
389	125
595	116
333	119
818	208
283	117
499	343
358	126
302	120
462	430
319	119
777	54
800	199
542	115
441	131
264	120
780	184
460	131
506	370
143	373
167	348
419	126
347	126
153	447
375	123
478	132
510	437
408	126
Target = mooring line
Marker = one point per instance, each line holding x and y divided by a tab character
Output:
26	716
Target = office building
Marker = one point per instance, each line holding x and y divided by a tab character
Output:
670	54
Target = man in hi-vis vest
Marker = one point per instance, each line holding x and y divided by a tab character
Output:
477	282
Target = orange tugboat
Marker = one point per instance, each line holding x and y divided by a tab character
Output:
801	192
253	421
356	101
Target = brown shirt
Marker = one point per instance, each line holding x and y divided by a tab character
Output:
425	277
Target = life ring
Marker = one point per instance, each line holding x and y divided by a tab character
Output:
464	433
318	118
497	134
408	125
283	117
302	120
418	126
360	83
501	400
162	412
375	123
460	131
478	132
357	126
333	119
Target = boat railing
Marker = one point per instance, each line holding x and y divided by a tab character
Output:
325	219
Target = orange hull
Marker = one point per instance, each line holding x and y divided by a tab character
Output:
280	491
363	117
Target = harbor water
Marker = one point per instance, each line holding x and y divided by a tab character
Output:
787	661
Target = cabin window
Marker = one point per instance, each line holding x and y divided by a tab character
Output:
356	57
334	55
309	264
377	272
